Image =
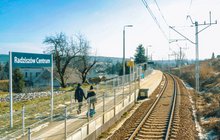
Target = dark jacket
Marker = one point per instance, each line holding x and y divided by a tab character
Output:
92	96
79	94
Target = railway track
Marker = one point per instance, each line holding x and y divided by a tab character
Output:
161	121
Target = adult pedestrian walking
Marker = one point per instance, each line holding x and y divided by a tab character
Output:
91	97
79	94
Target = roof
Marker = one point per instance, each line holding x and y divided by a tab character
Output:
4	58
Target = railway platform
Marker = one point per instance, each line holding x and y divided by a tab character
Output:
78	126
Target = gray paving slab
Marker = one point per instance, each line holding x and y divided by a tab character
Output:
55	129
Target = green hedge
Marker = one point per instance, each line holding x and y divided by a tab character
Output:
4	85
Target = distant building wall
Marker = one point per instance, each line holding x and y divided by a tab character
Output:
38	77
4	58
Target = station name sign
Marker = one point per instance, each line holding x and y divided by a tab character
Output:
31	60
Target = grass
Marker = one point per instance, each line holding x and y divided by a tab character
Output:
39	108
18	105
3	94
35	111
67	89
5	106
207	103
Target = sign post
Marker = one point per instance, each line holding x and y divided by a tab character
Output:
51	87
10	89
30	60
130	63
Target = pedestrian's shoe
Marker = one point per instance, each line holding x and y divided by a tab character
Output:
78	111
90	113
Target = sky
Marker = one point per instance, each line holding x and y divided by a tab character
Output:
24	24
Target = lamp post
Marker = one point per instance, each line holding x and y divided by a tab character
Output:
124	55
124	47
147	49
147	54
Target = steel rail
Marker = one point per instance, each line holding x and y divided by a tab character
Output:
171	112
150	111
171	116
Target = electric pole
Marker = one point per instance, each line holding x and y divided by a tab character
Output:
181	58
196	24
197	71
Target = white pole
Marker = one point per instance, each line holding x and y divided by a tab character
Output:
52	87
139	75
123	52
130	81
88	115
133	81
103	108
103	98
65	122
71	102
132	74
113	85
136	73
10	89
147	58
29	133
123	76
114	102
197	58
23	120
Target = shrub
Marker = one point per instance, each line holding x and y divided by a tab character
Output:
18	81
4	85
189	78
95	80
216	65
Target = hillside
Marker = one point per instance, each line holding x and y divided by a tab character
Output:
208	100
209	75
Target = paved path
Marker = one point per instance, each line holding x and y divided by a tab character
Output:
55	130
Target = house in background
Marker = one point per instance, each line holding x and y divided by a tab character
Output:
38	77
72	76
4	58
33	77
97	70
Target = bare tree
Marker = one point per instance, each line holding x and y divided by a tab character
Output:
104	67
179	57
63	50
4	72
213	55
84	62
1	71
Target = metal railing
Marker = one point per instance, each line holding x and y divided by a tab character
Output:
35	117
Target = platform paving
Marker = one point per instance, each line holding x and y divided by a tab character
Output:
55	130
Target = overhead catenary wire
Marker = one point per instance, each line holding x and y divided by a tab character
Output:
154	18
161	13
189	9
